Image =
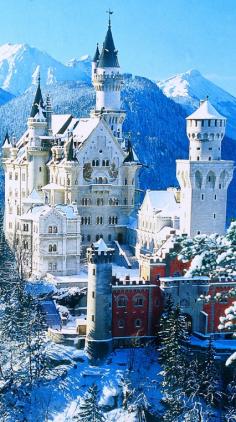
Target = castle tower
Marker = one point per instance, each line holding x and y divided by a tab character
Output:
107	82
204	178
99	300
37	150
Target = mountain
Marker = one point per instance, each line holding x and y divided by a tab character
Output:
19	63
5	96
190	87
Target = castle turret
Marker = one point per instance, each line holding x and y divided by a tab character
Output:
37	150
204	178
6	147
107	82
99	300
48	112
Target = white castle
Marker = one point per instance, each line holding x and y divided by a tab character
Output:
70	182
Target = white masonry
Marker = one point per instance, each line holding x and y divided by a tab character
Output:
204	178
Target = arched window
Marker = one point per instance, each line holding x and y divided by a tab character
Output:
121	323
50	229
211	179
198	179
55	230
107	163
97	163
137	323
138	300
122	301
126	181
49	248
93	163
103	163
54	248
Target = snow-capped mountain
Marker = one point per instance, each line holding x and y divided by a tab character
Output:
5	96
20	62
190	87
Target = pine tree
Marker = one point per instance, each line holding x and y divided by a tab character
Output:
209	378
88	408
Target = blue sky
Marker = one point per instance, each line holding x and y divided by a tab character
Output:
155	38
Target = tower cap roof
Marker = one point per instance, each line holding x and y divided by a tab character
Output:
96	55
38	100
108	57
205	111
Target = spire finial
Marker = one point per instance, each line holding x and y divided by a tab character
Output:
110	12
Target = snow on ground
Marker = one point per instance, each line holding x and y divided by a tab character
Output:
56	401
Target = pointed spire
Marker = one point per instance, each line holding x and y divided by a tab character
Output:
108	57
38	100
96	55
6	142
130	156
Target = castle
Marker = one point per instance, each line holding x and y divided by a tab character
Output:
70	186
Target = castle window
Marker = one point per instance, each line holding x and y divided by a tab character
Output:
214	216
126	181
209	158
215	197
54	229
49	248
99	220
93	163
16	176
88	238
138	300
121	323
109	238
40	169
210	149
220	186
50	229
97	163
82	237
54	267
103	163
137	323
25	227
195	122
197	158
198	232
198	148
125	201
93	319
94	271
93	295
122	301
107	163
209	123
221	123
10	176
215	122
97	237
25	245
82	220
132	181
202	196
54	248
202	123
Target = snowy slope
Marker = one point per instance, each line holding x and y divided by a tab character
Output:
189	87
19	62
5	96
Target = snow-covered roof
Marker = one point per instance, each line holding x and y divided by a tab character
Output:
101	246
206	111
164	202
68	210
58	121
52	186
85	128
33	198
39	210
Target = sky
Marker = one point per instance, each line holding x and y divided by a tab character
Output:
155	38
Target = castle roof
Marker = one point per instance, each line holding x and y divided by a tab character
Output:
38	101
6	142
163	202
96	55
101	246
205	111
108	57
33	198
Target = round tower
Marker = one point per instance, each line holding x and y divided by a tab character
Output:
204	178
205	130
99	300
37	149
108	81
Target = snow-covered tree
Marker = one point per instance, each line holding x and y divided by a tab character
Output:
88	410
